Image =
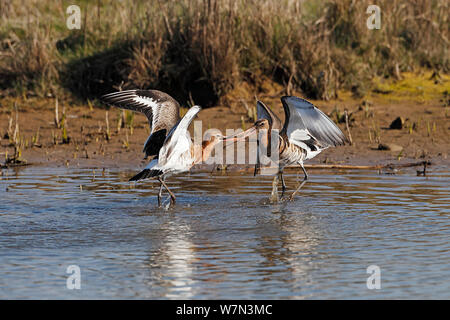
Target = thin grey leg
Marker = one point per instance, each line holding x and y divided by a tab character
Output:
172	196
301	184
274	195
283	185
160	194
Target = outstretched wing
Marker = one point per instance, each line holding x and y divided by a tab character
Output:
307	124
178	140
263	112
160	108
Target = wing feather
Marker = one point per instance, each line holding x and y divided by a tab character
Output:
161	109
178	139
152	103
304	116
263	112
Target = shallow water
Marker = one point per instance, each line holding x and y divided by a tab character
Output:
223	240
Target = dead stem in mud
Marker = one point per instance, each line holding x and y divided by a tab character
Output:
93	143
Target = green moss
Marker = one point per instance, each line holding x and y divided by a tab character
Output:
414	86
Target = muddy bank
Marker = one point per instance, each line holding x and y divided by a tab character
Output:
86	139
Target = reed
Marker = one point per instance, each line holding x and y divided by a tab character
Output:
57	124
400	155
198	50
376	131
348	127
410	128
35	139
107	132
126	141
15	140
129	120
54	138
119	121
65	139
252	114
243	123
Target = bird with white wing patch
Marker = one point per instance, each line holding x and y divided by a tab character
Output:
173	152
306	132
178	154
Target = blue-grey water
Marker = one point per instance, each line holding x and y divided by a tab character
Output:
222	239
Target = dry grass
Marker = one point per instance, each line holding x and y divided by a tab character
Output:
198	50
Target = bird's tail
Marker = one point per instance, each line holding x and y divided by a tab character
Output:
146	173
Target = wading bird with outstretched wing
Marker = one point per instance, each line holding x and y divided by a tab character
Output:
169	143
178	154
306	132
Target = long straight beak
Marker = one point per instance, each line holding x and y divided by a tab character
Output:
237	137
241	136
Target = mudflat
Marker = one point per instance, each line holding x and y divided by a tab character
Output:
85	138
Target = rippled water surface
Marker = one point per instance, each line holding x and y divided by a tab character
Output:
223	240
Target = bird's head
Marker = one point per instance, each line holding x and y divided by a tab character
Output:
213	136
211	139
262	124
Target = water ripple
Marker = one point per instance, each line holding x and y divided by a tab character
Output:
223	239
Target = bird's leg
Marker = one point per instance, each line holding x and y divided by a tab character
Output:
274	196
283	185
160	194
256	169
301	184
257	166
172	196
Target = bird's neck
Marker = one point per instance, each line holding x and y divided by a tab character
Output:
203	152
207	148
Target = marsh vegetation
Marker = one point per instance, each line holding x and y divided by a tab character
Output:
199	50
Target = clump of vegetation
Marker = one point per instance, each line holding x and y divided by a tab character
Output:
198	50
63	126
107	131
15	140
129	119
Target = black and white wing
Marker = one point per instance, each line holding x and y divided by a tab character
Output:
160	108
175	154
306	124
